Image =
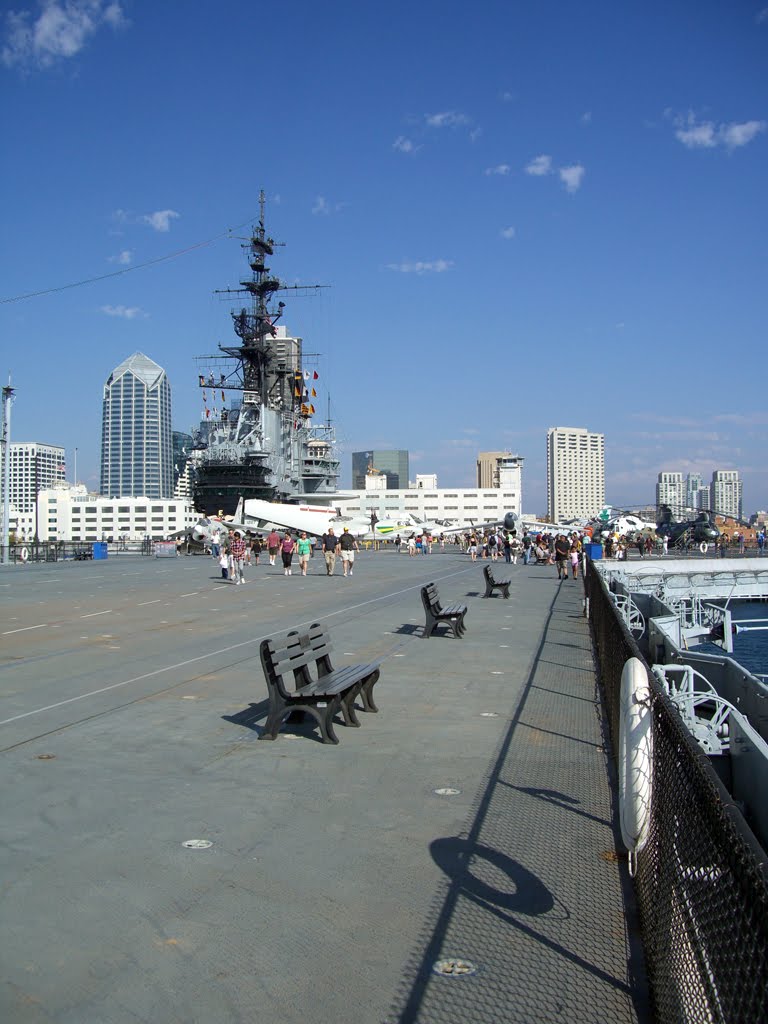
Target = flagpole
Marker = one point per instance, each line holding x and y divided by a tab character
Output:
75	467
6	439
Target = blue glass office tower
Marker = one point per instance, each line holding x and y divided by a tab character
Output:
393	463
136	436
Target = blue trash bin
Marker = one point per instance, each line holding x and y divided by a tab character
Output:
595	551
100	549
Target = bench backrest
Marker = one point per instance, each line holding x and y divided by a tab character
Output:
295	652
488	574
430	597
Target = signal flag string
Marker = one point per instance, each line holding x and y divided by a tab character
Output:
127	270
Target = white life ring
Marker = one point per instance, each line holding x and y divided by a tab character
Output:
703	547
24	554
635	757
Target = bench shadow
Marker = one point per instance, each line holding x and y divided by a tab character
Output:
409	629
249	716
297	723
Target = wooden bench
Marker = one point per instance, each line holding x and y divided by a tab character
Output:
491	583
318	688
453	616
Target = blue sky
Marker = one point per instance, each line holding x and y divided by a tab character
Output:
529	215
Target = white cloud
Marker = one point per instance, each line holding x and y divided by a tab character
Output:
508	232
762	16
160	220
501	169
507	97
539	166
126	312
572	177
60	31
697	134
446	119
404	145
124	258
586	117
323	208
421	267
734	135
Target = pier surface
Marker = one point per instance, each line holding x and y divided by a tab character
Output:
131	700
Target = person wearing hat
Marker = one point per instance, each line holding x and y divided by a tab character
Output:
348	546
237	557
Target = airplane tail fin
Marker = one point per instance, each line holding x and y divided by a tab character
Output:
240	510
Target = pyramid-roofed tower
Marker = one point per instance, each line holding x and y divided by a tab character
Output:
136	435
140	366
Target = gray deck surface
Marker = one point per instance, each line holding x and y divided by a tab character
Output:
131	697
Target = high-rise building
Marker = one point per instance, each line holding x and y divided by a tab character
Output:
575	473
32	467
182	466
136	441
499	469
693	491
394	464
670	490
726	493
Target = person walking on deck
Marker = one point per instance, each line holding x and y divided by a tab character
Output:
330	547
562	555
347	547
304	548
273	546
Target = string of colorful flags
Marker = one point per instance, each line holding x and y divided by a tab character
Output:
302	390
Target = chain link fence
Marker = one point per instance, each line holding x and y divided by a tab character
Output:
702	878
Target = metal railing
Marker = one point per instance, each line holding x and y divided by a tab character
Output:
702	878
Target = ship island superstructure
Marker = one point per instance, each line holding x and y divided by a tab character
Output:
257	436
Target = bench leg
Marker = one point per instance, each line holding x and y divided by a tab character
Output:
324	718
366	691
488	590
275	719
429	627
348	706
505	590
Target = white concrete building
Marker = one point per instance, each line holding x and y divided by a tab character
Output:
32	466
461	505
671	490
575	473
70	513
726	494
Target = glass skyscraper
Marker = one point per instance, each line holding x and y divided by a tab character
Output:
136	438
392	463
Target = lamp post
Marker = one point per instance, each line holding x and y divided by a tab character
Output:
8	392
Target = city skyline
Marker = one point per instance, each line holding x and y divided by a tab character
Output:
566	216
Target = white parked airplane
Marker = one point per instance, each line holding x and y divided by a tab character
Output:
255	514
